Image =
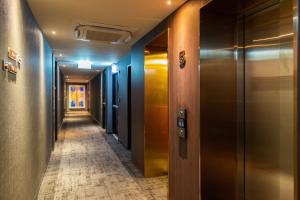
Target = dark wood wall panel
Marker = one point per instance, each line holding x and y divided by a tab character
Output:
184	180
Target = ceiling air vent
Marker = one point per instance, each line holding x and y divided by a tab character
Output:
102	34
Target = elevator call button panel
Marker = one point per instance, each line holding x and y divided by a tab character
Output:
182	123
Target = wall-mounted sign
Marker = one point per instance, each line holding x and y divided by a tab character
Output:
5	65
182	60
12	69
12	63
9	67
12	54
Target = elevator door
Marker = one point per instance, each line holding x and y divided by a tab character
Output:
268	104
246	100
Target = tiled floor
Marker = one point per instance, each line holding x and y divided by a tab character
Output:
88	164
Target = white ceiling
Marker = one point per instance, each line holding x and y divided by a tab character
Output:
62	16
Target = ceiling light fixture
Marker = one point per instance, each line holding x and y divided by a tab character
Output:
114	68
53	32
60	55
84	64
169	2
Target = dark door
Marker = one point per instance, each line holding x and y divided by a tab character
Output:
104	99
129	105
54	101
115	102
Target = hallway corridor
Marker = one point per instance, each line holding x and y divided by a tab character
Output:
150	100
87	164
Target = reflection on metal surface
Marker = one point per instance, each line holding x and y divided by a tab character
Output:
218	132
274	38
269	104
158	60
247	101
156	111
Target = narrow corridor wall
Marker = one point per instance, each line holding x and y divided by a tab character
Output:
25	104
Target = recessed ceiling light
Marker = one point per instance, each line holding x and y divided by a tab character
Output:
169	2
53	32
85	64
60	55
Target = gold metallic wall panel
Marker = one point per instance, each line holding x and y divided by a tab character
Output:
156	114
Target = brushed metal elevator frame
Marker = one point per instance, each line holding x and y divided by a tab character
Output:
296	99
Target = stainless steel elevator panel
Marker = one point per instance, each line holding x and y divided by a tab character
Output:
247	100
218	139
269	103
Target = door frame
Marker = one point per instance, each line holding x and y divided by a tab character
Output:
54	101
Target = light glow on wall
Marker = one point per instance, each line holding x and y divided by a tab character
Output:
157	59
